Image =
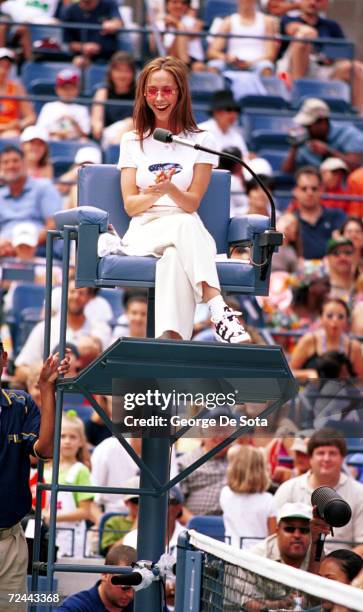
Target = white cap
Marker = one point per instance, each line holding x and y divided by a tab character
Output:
300	445
132	483
89	155
260	166
7	53
333	163
295	510
25	233
311	111
33	132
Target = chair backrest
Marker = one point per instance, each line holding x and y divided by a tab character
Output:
335	93
99	185
66	149
211	526
218	8
32	71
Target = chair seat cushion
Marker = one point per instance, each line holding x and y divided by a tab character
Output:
122	268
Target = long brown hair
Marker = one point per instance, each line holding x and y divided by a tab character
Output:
181	118
120	57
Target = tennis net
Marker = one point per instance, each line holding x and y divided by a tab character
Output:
233	580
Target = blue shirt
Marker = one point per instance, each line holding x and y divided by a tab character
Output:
105	9
19	430
315	237
38	201
326	28
87	601
343	137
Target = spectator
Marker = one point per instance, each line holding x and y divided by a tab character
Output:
73	508
97	308
110	122
355	188
133	322
316	221
29	12
327	449
224	112
343	566
278	8
330	336
116	527
36	152
352	229
105	596
253	54
324	138
285	546
239	202
92	45
258	202
339	256
65	119
309	294
188	48
23	199
334	172
301	462
246	496
308	60
287	257
15	115
21	420
78	325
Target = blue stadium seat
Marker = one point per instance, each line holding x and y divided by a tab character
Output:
33	71
41	87
95	75
335	93
282	199
61	165
66	149
201	114
275	87
270	139
25	296
211	526
204	84
267	101
7	142
342	49
111	154
218	8
253	121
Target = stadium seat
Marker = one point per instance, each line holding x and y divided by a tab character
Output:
111	154
282	199
267	101
204	84
275	87
34	71
252	121
342	49
274	157
218	8
66	149
101	527
61	165
25	296
9	142
335	93
270	139
95	75
211	526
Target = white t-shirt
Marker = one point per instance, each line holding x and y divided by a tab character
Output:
231	138
130	538
53	114
33	11
245	515
32	351
157	156
97	309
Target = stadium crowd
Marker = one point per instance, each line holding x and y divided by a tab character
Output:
241	88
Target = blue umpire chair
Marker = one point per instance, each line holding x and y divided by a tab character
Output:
100	203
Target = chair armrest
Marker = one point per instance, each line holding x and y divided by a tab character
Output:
82	215
242	230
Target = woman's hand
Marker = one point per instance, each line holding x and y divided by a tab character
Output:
163	187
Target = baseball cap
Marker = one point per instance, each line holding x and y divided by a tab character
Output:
300	445
333	163
334	243
25	233
7	53
67	75
176	494
311	111
260	166
222	100
90	155
295	510
33	132
132	483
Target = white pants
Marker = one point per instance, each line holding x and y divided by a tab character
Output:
187	252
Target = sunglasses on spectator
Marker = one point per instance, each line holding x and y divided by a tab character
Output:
308	188
166	91
292	529
342	252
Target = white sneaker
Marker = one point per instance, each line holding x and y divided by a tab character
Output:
228	329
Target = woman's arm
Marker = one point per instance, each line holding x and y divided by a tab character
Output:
217	46
302	351
357	358
271	525
98	113
135	202
189	200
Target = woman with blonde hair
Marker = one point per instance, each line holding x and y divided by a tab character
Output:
162	187
73	508
249	511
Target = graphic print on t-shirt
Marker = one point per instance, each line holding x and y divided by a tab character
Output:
165	171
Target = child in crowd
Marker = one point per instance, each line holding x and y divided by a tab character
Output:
118	525
73	509
248	510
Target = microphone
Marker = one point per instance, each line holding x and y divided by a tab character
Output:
331	506
272	237
133	579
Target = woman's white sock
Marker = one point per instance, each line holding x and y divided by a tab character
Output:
217	306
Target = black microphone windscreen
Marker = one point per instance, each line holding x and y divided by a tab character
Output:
331	506
162	135
133	579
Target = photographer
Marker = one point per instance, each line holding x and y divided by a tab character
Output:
320	138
